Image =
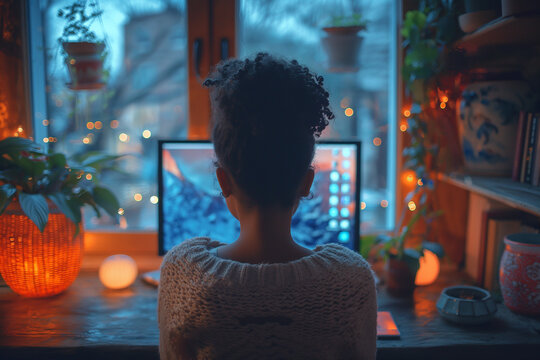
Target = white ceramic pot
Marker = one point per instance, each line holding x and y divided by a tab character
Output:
488	119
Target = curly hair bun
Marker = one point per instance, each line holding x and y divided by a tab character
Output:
267	113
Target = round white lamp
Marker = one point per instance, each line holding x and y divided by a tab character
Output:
118	272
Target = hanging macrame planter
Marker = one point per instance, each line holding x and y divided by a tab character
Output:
84	54
342	45
84	61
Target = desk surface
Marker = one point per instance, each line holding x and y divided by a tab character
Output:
88	321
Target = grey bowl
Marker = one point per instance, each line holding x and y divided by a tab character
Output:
466	305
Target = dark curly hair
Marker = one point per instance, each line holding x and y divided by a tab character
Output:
267	112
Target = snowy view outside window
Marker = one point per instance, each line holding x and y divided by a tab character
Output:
146	95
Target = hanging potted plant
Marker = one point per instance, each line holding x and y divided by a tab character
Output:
84	55
41	231
342	43
402	263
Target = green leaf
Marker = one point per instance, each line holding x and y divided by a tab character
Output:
60	200
36	208
106	199
57	161
6	193
18	144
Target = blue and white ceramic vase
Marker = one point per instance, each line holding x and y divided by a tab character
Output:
488	121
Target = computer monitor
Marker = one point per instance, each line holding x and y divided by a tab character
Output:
191	205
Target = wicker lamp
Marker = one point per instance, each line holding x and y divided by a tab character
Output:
34	263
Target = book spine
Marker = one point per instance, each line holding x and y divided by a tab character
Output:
536	164
519	146
530	150
525	147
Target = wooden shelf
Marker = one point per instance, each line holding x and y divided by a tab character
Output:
511	193
504	31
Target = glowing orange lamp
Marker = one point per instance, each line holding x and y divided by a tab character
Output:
429	269
118	272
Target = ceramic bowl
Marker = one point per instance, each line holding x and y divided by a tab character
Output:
466	305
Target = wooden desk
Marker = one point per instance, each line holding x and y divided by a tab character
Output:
90	322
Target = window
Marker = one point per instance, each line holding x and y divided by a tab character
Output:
146	96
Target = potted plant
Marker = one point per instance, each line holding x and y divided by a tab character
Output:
342	43
41	197
402	263
83	53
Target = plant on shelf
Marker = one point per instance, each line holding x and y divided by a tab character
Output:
342	43
429	70
84	54
41	198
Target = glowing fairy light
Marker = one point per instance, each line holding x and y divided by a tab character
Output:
89	125
45	122
377	141
88	177
362	205
45	139
443	105
406	113
384	203
349	112
420	182
411	205
137	197
114	124
146	134
403	127
123	137
20	129
86	140
121	211
154	199
98	125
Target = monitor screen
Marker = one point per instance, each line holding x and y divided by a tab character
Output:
191	205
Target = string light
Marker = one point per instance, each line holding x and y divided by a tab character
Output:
444	99
384	203
362	205
146	134
349	112
137	197
89	125
88	177
72	61
114	124
123	137
443	105
411	205
406	113
98	125
377	141
420	182
20	129
408	177
86	140
121	211
45	122
154	199
403	127
46	140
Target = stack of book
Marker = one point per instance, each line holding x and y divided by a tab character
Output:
527	157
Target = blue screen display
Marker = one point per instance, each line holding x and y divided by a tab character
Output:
192	205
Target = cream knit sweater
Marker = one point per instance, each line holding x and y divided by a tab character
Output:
322	306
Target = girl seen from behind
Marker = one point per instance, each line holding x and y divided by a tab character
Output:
264	296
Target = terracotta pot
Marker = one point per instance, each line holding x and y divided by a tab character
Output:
85	65
36	264
519	273
342	46
399	278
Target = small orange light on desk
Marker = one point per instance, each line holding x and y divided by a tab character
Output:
429	269
118	272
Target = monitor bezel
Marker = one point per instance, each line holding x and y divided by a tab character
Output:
357	143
